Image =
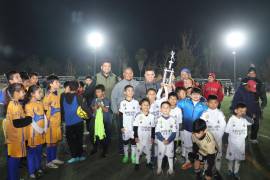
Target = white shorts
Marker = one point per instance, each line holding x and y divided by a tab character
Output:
127	135
165	150
186	139
146	149
235	151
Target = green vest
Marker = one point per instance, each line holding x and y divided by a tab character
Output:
109	82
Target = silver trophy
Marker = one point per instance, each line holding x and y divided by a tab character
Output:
168	72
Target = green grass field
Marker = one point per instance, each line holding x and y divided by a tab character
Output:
256	166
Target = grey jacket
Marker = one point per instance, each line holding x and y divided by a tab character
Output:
118	93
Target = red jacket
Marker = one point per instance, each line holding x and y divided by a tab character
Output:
179	84
213	88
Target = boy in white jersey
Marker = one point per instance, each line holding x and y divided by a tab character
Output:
165	134
129	107
176	113
216	124
237	131
144	132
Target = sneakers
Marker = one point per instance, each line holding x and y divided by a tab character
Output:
230	173
170	172
73	160
32	176
133	159
159	172
254	141
51	165
82	158
237	176
137	167
186	166
149	166
125	159
58	162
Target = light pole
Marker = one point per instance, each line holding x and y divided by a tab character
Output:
235	40
95	40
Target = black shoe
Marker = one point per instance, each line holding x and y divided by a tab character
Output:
217	176
94	151
103	155
150	166
137	167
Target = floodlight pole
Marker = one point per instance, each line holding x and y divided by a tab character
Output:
95	61
234	69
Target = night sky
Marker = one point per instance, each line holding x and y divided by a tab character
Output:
58	27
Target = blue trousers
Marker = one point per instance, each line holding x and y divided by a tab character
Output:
13	168
51	153
34	158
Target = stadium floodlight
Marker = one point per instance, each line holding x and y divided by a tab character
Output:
95	40
235	40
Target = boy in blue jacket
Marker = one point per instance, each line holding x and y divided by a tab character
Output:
192	109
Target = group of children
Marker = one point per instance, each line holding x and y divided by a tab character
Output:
166	123
160	125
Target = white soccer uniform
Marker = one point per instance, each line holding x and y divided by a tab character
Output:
166	126
237	130
216	124
129	109
176	113
145	125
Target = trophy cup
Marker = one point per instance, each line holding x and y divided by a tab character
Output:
168	72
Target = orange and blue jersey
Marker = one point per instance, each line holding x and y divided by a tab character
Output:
51	104
35	109
15	137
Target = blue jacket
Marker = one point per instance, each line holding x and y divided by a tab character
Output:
191	112
249	99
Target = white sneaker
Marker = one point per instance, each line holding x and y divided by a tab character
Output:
51	165
170	172
254	141
57	162
159	172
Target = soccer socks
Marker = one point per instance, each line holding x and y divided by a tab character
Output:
13	168
170	160
159	163
31	159
126	150
38	157
54	152
49	154
230	166
236	166
133	150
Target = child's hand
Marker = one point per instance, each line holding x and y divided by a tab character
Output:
165	142
123	130
137	140
162	85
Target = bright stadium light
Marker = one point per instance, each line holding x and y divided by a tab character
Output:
95	40
235	40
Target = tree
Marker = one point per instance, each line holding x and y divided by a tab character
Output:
140	57
186	55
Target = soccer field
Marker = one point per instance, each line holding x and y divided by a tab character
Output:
256	166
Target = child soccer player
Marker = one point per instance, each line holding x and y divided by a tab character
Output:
144	132
129	107
192	109
176	113
15	127
51	104
237	130
204	149
102	121
74	124
216	124
181	93
34	78
36	132
165	134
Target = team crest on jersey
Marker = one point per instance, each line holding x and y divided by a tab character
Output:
207	116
